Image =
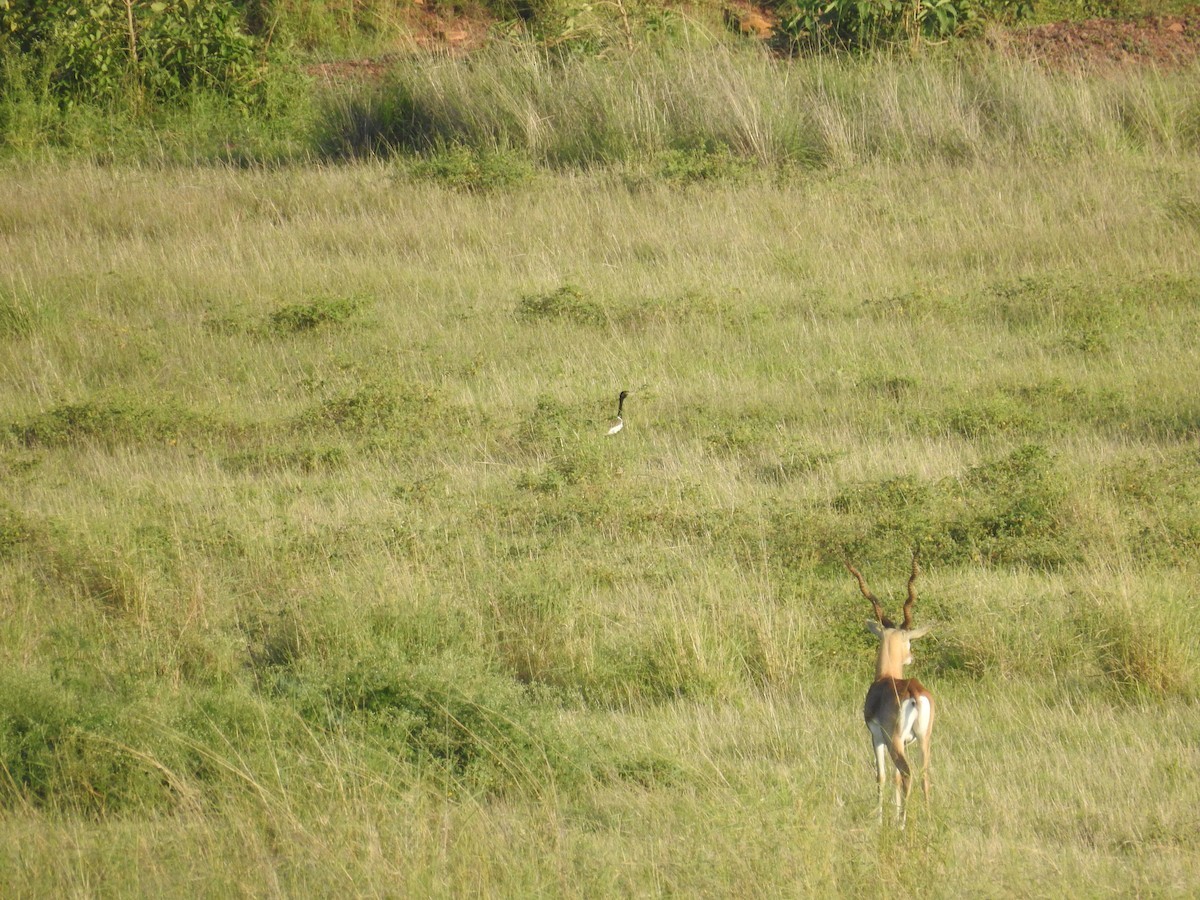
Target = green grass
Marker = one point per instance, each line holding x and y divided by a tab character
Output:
318	575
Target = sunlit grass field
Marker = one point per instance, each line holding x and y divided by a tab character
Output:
318	574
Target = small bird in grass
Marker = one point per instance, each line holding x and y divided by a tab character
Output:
619	422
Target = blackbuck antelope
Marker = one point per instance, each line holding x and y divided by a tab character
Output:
897	710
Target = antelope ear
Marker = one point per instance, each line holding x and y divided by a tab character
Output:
875	628
920	632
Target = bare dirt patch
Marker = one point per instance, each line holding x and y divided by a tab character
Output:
1166	41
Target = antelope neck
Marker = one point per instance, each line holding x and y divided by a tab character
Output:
891	659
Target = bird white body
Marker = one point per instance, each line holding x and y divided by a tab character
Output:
619	421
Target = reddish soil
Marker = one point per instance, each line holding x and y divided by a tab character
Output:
1098	44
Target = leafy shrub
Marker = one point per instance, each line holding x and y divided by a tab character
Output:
1083	316
1012	511
15	531
96	51
356	27
863	23
547	425
897	511
1159	499
1006	511
988	416
744	430
701	164
574	463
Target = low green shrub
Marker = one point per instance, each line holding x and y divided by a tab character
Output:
1013	511
15	531
1009	510
476	727
473	170
115	419
567	302
306	459
322	311
375	407
1159	500
65	751
695	165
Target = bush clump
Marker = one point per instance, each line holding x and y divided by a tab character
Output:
472	170
867	23
165	51
567	303
1010	510
300	317
115	420
374	407
479	728
60	750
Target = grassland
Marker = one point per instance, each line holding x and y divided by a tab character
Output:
319	576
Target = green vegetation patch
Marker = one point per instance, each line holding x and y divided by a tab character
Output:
64	751
401	409
476	727
859	24
473	170
706	163
15	319
1009	510
567	303
295	318
116	419
1160	499
99	51
306	459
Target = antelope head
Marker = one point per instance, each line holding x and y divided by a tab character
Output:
895	641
